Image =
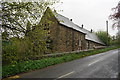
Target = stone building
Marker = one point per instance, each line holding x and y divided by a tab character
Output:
65	36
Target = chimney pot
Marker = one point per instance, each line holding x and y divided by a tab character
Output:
82	25
70	19
91	30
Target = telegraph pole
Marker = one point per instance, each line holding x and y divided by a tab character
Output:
107	31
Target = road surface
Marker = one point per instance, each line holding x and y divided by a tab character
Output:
103	65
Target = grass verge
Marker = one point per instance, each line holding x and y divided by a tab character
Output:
13	69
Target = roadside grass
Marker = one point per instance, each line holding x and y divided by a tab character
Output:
13	69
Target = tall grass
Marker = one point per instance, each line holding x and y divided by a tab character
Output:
13	69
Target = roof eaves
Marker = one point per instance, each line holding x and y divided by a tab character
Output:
95	41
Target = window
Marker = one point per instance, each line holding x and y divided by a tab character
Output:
67	43
79	42
45	24
46	27
87	45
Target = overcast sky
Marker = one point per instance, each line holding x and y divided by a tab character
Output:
91	13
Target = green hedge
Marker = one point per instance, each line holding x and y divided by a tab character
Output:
14	69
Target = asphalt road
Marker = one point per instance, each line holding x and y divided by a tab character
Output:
104	65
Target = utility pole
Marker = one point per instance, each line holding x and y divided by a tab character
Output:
107	31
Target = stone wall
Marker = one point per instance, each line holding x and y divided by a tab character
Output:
69	39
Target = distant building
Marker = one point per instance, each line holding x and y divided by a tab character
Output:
65	36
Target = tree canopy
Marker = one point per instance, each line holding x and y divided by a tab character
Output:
17	15
104	37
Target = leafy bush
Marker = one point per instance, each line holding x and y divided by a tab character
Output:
15	51
22	49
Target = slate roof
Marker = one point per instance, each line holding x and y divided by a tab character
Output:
66	21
